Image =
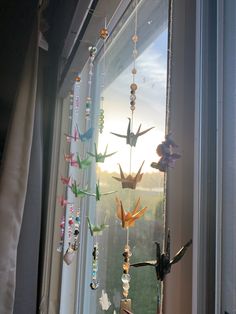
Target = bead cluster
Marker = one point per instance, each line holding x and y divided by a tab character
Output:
125	278
101	121
76	97
70	224
76	229
92	53
62	233
95	284
134	86
88	107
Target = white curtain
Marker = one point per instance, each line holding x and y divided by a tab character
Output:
14	173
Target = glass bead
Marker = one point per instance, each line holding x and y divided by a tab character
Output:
103	33
134	71
94	273
60	248
125	293
125	278
126	286
132	103
132	97
134	38
92	50
77	79
133	86
94	285
126	266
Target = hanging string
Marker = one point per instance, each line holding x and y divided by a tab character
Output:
103	35
133	87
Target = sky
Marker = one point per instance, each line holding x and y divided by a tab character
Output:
150	110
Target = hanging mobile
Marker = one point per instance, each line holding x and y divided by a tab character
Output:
128	218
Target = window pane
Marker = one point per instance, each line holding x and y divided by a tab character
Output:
150	112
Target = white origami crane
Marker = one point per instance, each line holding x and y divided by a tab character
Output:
104	301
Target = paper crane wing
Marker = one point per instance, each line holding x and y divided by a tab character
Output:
181	253
167	252
139	214
136	207
107	193
109	155
147	263
143	132
99	194
120	135
138	176
127	311
90	226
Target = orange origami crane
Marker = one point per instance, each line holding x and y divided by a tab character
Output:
128	218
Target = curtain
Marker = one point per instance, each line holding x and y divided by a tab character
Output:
14	174
228	228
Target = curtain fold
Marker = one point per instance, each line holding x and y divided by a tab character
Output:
14	173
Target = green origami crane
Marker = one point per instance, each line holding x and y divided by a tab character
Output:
85	163
99	157
98	194
96	229
77	191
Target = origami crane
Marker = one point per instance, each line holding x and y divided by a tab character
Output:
104	301
128	218
96	229
85	136
98	194
132	138
77	191
83	164
68	157
73	137
99	157
65	181
163	262
63	202
129	182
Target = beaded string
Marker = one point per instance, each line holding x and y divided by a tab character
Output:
103	33
92	52
133	87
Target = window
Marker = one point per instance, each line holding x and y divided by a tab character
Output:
75	294
150	111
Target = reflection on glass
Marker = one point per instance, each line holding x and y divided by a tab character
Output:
150	112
